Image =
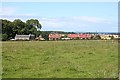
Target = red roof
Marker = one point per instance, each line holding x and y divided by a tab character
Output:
79	35
70	35
73	35
54	35
84	35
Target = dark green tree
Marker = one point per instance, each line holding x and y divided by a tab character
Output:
18	26
97	37
38	33
34	26
10	29
112	37
33	23
7	28
45	35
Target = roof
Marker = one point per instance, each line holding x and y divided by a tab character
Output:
73	35
84	35
79	35
23	36
54	35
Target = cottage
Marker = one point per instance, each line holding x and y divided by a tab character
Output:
73	36
105	37
85	36
24	37
79	36
116	36
54	36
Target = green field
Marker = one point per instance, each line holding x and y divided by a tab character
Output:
60	59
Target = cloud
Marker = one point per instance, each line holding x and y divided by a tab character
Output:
75	23
11	12
71	21
91	19
7	10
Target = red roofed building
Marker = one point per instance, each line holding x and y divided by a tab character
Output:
79	36
73	36
54	36
85	36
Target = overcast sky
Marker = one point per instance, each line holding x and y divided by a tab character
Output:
66	16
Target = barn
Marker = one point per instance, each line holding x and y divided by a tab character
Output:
25	37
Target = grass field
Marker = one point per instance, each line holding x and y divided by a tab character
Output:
60	59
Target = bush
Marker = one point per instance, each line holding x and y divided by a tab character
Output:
112	37
97	37
4	37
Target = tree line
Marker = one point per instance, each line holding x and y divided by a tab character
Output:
32	26
10	28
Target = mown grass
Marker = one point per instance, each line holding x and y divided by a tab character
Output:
60	59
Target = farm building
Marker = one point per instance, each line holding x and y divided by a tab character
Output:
25	37
105	37
54	36
40	38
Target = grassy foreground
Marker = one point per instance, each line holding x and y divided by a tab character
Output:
60	59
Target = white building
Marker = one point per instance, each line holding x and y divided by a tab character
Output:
24	37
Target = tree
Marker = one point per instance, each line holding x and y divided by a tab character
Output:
7	28
112	37
34	26
18	27
45	35
33	23
33	31
38	33
10	29
97	37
